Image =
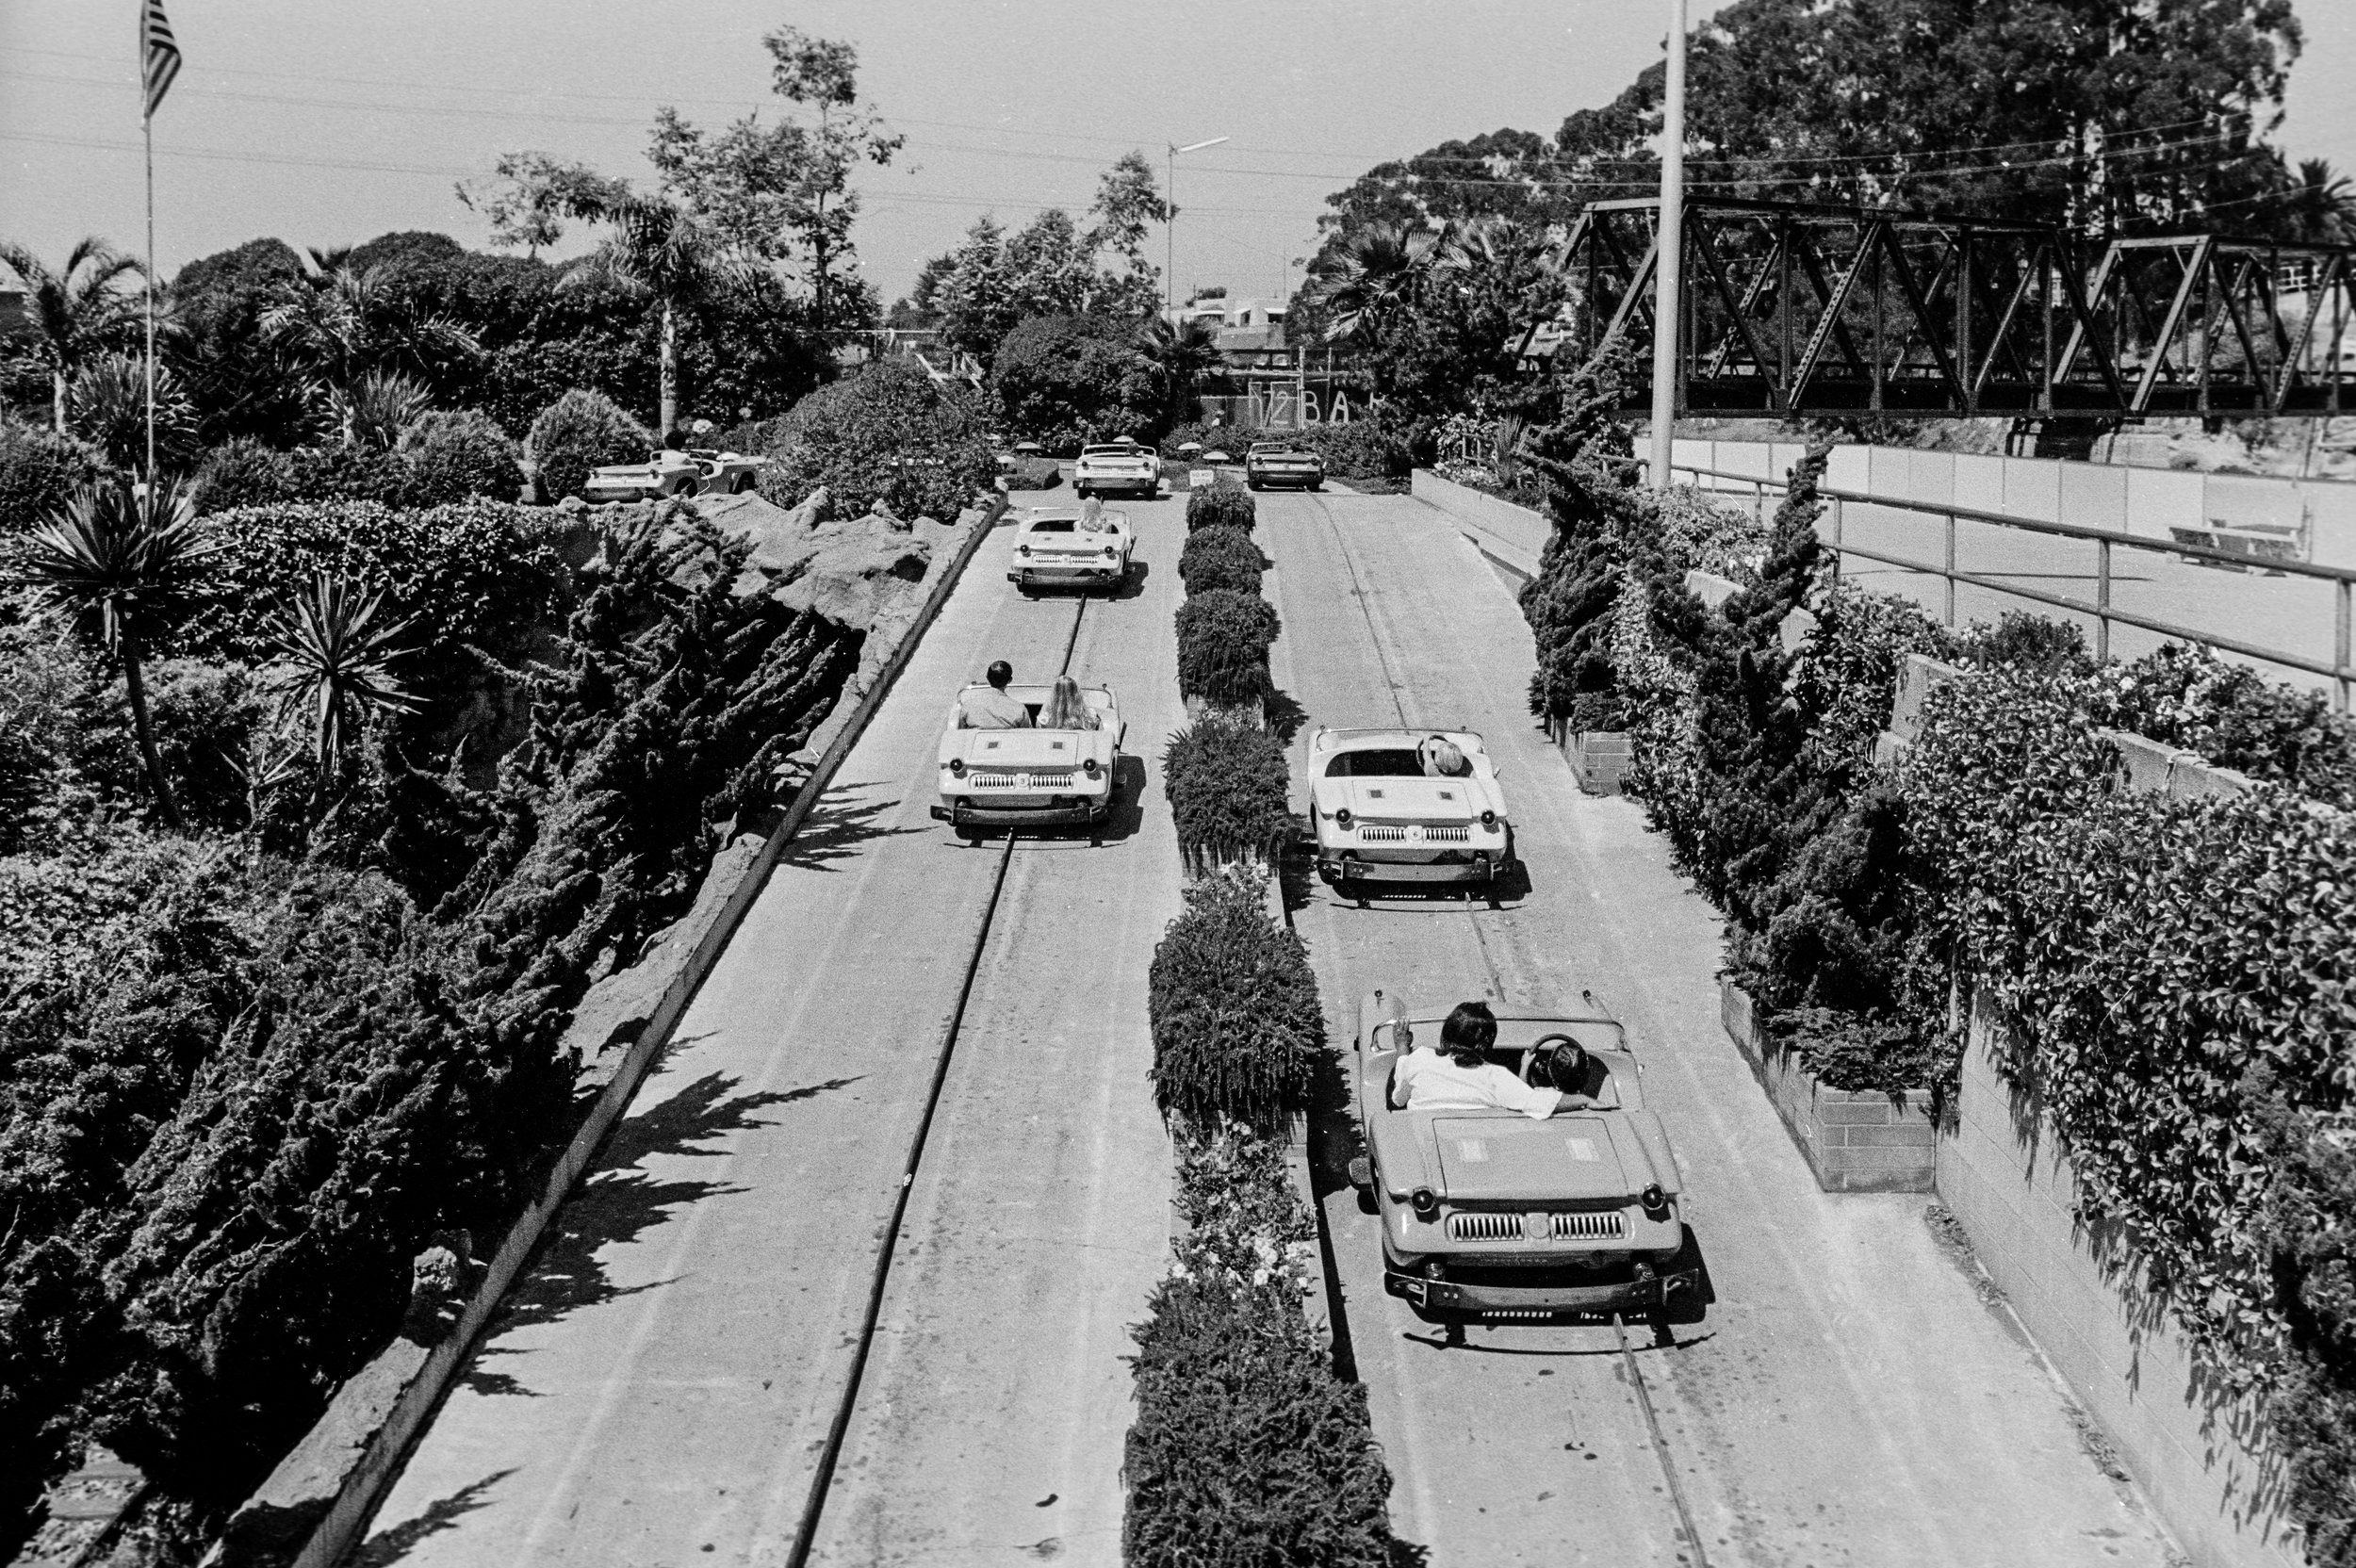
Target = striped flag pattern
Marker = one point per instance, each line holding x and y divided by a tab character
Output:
159	57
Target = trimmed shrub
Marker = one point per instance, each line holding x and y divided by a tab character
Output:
1223	640
350	474
1222	504
885	433
579	431
459	455
1238	1030
1217	558
1226	783
1035	473
39	470
1368	448
242	471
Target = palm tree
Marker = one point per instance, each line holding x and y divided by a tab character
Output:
337	666
76	312
659	249
119	559
1374	273
2322	204
1184	354
344	326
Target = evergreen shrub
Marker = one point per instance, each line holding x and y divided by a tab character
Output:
1365	448
582	431
887	433
1238	1030
1226	781
1220	558
456	455
242	471
39	470
1224	635
1223	503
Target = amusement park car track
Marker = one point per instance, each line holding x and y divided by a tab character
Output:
1848	1398
851	1283
1631	1369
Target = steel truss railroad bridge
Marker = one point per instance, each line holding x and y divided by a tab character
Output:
1826	310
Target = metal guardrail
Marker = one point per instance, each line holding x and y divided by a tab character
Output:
2340	670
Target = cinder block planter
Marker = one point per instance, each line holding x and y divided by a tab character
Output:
1854	1140
1599	759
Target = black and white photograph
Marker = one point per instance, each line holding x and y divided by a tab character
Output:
1294	784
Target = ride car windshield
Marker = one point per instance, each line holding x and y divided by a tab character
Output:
1376	762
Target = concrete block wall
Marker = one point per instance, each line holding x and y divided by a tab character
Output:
2008	1180
1599	759
1854	1140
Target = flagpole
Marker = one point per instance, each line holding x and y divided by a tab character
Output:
147	133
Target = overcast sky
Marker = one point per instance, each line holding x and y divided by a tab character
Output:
327	122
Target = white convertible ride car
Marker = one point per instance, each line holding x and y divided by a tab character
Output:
1118	465
701	472
1492	1214
992	780
1406	806
1065	546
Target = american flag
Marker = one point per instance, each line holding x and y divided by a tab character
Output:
159	57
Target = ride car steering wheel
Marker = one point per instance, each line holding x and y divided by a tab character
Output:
1538	1051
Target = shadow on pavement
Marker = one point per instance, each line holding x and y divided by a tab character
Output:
837	830
391	1545
617	1202
1284	715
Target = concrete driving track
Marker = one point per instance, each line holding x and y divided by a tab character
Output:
1850	1399
660	1389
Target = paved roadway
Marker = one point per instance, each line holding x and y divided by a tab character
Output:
1850	1399
659	1389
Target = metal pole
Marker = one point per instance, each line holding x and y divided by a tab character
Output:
2102	598
147	134
1668	287
2340	643
1836	538
1170	240
1951	569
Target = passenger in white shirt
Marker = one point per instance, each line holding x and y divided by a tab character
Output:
1457	1077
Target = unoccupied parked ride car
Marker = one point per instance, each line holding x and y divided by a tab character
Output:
995	779
1489	1215
704	473
1057	546
1379	814
1281	462
1118	467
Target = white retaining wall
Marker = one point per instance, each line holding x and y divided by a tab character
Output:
2006	1178
2144	501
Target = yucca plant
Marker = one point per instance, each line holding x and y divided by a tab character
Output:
119	560
337	657
376	408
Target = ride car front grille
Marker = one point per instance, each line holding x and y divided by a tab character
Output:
1485	1227
1038	779
1588	1227
1378	835
1453	833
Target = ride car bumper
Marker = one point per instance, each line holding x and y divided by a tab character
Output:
1049	577
601	493
1479	867
1303	476
1627	1298
1078	815
1136	484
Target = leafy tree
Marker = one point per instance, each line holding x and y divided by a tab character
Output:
1065	379
536	195
822	74
121	563
1050	267
74	312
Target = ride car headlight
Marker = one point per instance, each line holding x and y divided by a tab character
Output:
1110	552
1424	1201
1655	1201
957	767
1022	549
1488	819
1342	818
1090	768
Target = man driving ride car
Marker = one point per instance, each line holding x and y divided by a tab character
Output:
990	707
1457	1076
